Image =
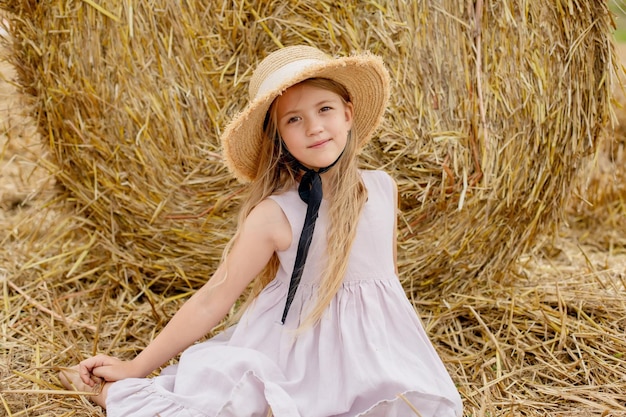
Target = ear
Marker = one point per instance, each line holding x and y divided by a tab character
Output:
349	112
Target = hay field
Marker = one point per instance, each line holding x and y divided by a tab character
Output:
529	323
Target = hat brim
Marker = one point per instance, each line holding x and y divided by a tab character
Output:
365	78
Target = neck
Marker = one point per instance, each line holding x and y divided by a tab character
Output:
326	179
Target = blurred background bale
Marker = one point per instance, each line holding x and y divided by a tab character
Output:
598	201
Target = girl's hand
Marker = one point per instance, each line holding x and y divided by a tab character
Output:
105	367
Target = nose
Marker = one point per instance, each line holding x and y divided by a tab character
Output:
313	126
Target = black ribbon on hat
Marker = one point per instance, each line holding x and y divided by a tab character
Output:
310	190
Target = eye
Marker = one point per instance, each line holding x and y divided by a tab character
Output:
293	119
325	109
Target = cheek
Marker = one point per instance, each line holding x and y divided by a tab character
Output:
288	137
283	132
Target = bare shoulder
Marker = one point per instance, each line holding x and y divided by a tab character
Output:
268	222
267	210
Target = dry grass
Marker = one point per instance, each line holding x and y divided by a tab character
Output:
512	243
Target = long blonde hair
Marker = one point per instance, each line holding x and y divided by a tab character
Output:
277	173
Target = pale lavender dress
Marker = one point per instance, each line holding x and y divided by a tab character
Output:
367	357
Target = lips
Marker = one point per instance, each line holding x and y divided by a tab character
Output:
320	143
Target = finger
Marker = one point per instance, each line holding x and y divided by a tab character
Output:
97	379
101	373
86	367
95	361
85	375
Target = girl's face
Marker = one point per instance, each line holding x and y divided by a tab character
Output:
314	124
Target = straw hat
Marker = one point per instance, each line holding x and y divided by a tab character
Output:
363	75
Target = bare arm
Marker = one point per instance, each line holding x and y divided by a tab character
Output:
264	231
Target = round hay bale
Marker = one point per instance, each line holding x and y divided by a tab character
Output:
598	202
494	107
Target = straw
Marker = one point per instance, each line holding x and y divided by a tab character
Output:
115	205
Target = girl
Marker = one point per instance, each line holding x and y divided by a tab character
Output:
327	330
